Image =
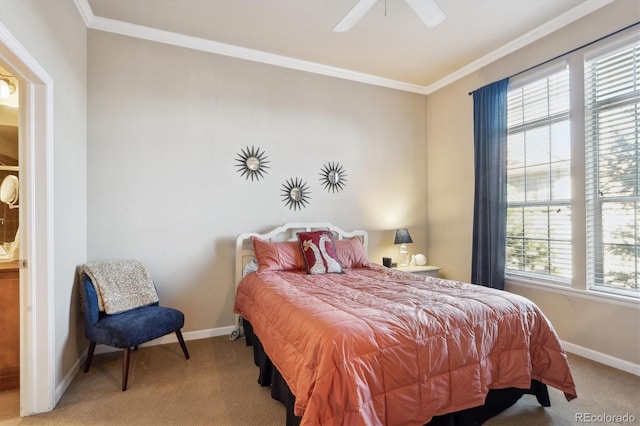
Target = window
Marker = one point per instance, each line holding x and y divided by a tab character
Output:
538	177
612	120
573	198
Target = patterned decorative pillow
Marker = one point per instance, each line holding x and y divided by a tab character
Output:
319	252
277	256
351	253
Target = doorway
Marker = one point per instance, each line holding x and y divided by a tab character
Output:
9	242
35	252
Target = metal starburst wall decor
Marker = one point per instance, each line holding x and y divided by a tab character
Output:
252	163
295	194
333	177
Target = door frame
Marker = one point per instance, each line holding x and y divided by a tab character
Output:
37	319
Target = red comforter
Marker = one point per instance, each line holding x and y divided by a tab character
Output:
380	346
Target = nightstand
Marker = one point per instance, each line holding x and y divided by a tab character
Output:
433	271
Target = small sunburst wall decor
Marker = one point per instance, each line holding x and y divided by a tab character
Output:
333	177
295	194
252	163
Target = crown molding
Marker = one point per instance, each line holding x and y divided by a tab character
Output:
555	24
181	40
210	46
85	11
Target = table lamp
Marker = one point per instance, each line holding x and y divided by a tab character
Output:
403	238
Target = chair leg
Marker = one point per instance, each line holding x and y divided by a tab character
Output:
125	368
87	363
182	345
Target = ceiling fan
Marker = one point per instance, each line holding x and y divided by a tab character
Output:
427	10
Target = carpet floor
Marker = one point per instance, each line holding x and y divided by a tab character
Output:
218	386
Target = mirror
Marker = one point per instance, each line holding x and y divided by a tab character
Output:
295	194
252	163
333	177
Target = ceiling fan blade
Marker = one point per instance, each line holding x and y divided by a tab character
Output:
354	15
428	11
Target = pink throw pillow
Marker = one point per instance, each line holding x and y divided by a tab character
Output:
319	252
351	253
277	256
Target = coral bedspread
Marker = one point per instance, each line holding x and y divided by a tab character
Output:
380	346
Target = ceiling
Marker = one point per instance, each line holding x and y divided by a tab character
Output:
389	46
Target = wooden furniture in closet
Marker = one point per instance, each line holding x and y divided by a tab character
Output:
9	325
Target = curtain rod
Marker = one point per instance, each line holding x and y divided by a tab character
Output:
571	51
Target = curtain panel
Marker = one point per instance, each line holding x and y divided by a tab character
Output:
490	197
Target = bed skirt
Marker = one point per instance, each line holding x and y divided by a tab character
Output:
497	400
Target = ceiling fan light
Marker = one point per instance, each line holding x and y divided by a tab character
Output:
354	15
428	11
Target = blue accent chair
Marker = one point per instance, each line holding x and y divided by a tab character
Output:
127	329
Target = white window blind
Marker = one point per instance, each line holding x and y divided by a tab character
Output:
612	124
538	177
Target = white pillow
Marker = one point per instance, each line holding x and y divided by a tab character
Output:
251	266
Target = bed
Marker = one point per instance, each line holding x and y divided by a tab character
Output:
374	345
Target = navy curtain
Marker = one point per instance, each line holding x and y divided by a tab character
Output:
490	203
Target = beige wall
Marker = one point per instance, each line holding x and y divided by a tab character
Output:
165	127
610	329
55	36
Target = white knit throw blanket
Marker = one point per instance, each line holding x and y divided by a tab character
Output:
121	285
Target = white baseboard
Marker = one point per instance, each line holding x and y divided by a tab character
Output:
171	338
602	358
68	378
